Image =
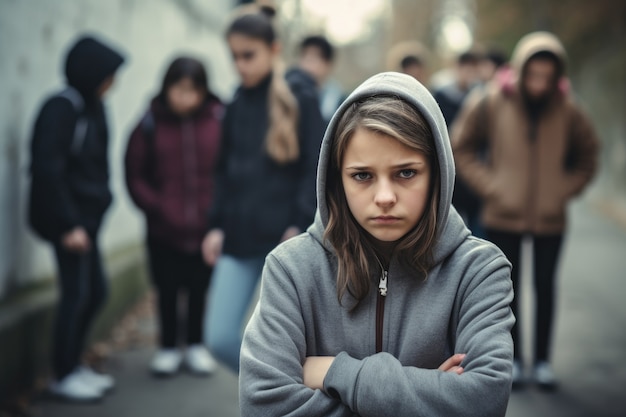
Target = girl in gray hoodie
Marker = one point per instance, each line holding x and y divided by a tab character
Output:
386	306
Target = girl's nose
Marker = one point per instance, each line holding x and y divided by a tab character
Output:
385	195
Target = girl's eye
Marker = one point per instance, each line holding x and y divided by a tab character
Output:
361	176
407	173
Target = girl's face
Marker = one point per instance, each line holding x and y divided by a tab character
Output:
539	78
386	183
253	58
184	98
105	86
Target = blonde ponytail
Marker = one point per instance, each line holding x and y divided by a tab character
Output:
281	142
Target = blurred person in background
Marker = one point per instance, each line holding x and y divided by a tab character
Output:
466	76
69	197
541	153
170	163
450	98
317	58
265	179
409	57
491	61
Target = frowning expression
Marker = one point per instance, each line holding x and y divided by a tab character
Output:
386	184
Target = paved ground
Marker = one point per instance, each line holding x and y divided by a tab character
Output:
589	347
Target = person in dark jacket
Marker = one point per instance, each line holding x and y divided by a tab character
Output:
317	58
170	162
69	197
265	191
450	98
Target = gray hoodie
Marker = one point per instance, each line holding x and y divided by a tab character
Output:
462	307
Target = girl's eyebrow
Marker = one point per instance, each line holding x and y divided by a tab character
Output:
398	166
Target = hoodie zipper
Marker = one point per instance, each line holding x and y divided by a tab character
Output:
380	309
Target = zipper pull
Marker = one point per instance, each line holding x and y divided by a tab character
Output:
382	285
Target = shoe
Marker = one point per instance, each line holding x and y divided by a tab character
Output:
166	362
544	376
199	360
100	381
73	388
518	375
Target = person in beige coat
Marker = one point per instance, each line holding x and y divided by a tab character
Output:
527	148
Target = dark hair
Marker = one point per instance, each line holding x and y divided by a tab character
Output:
255	22
390	116
496	56
548	56
468	58
185	67
410	60
320	42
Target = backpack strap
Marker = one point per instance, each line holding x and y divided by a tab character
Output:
148	130
74	97
148	126
80	130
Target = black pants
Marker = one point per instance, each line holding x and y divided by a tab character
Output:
175	272
546	250
83	289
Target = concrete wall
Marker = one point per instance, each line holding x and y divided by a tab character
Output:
34	35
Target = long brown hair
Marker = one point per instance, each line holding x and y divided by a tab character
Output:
390	116
281	141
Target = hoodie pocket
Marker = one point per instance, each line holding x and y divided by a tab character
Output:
505	198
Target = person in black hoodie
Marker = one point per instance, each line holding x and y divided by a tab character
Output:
265	178
68	199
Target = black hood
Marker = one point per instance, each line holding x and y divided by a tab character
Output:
89	62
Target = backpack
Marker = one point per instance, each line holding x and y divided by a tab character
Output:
80	130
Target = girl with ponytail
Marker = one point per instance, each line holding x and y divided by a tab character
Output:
265	180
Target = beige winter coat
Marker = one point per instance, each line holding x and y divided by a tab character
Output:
528	173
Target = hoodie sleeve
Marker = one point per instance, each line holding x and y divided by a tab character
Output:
137	166
380	386
310	133
581	160
468	138
272	354
52	138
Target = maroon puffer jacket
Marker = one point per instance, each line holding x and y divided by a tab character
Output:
169	172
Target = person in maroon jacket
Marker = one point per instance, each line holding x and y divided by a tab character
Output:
169	171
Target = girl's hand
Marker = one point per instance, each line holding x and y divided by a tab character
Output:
212	246
76	240
289	233
315	369
452	364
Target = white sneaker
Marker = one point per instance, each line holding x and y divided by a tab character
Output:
199	360
166	362
73	388
100	381
518	374
544	376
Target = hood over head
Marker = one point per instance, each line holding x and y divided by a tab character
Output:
534	43
88	63
450	228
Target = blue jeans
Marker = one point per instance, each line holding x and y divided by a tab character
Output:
232	288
